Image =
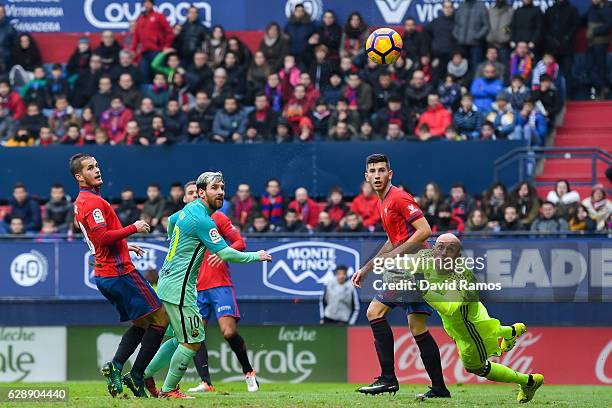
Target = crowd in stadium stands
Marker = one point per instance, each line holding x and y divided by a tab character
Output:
471	73
496	209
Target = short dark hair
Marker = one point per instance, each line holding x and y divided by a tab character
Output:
459	185
57	185
291	211
548	202
154	185
189	183
271	180
19	185
341	268
76	162
126	189
176	184
378	158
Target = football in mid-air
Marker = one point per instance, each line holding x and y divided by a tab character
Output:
384	46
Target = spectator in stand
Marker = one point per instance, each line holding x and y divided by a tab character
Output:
518	92
347	67
384	89
59	209
330	35
132	134
175	201
492	57
436	117
526	25
79	60
343	114
273	203
477	221
525	199
339	304
458	67
546	66
25	208
114	121
46	136
366	133
521	61
25	55
13	107
72	136
366	206
460	202
306	208
415	42
320	118
219	90
127	211
243	206
430	199
471	29
153	207
487	131
262	120
299	28
548	221
259	225
312	94
446	221
193	34
158	94
342	132
561	21
493	203
531	125
202	111
152	35
35	90
127	91
256	76
440	32
215	46
326	224
352	223
511	221
236	77
321	68
87	82
502	116
16	226
230	123
581	221
87	125
336	207
199	73
564	198
468	119
274	46
485	88
194	133
450	93
62	116
416	94
174	119
125	66
500	21
48	232
297	108
56	85
395	133
101	101
34	120
354	36
284	133
358	94
332	92
598	206
548	99
292	222
108	50
22	138
144	116
393	113
7	37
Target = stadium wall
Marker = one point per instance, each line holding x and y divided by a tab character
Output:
317	166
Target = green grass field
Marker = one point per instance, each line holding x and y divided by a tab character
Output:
93	394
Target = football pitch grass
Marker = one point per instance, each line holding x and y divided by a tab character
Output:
94	394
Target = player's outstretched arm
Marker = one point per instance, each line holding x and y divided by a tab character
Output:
360	275
229	254
415	242
104	237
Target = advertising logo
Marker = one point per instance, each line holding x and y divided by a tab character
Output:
28	269
116	15
393	11
302	268
153	258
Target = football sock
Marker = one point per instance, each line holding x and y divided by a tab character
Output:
149	346
178	365
129	342
238	346
507	332
383	341
162	357
501	373
430	354
201	363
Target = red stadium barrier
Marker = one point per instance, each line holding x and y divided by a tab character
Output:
569	355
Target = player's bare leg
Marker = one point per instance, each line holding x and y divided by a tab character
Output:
201	364
227	325
430	355
155	327
384	344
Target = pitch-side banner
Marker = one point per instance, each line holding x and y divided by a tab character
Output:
568	355
96	15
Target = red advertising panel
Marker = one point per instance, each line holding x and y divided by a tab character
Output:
565	355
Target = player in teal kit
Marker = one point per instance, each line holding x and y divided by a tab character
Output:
191	232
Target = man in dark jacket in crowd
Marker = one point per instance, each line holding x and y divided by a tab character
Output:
415	42
561	21
108	50
59	209
154	206
416	93
144	117
599	22
87	82
299	28
202	111
292	222
127	211
7	37
126	90
193	33
440	31
471	29
25	207
511	220
125	66
526	25
549	97
199	74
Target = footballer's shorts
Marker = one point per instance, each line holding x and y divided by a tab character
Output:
478	339
220	300
392	301
131	294
186	323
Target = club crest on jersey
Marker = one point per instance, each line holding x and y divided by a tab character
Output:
214	235
97	216
194	333
412	209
